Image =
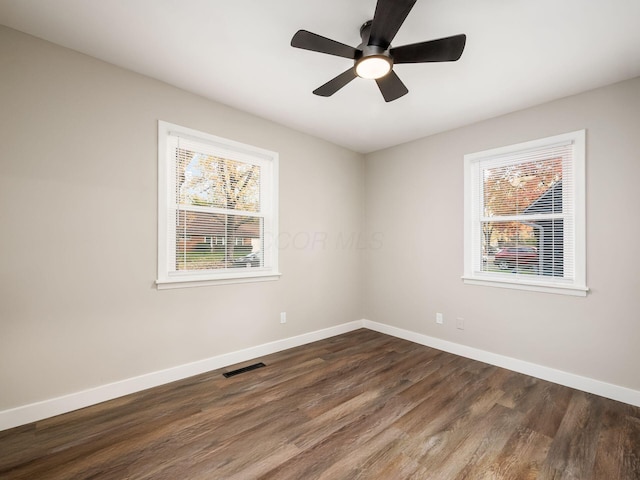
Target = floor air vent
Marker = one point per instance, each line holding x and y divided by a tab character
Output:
244	369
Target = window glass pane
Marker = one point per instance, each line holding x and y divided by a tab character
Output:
212	241
206	180
529	248
526	188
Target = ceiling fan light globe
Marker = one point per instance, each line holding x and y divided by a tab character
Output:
373	67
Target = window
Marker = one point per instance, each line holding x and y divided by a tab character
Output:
524	221
217	210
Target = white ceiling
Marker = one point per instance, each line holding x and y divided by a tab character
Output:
519	53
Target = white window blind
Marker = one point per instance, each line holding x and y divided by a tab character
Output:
524	215
218	209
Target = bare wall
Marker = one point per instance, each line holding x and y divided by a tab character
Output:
78	200
414	199
78	175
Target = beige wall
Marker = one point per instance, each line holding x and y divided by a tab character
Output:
78	190
414	197
78	307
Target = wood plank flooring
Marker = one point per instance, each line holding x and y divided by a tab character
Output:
357	406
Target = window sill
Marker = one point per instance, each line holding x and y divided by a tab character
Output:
208	280
530	286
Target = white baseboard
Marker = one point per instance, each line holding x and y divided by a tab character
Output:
55	406
607	390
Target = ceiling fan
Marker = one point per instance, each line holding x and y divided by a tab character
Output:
374	58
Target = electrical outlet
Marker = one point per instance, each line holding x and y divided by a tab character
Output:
283	317
460	323
439	318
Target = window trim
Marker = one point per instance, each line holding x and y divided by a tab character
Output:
169	280
578	286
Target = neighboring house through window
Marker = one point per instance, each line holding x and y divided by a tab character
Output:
525	216
217	206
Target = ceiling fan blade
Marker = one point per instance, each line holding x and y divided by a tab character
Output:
317	43
447	49
391	87
389	16
335	84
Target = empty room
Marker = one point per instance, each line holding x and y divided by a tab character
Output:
375	239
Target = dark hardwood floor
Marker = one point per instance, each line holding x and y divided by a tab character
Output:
358	406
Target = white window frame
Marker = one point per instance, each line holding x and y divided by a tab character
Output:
472	236
268	161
